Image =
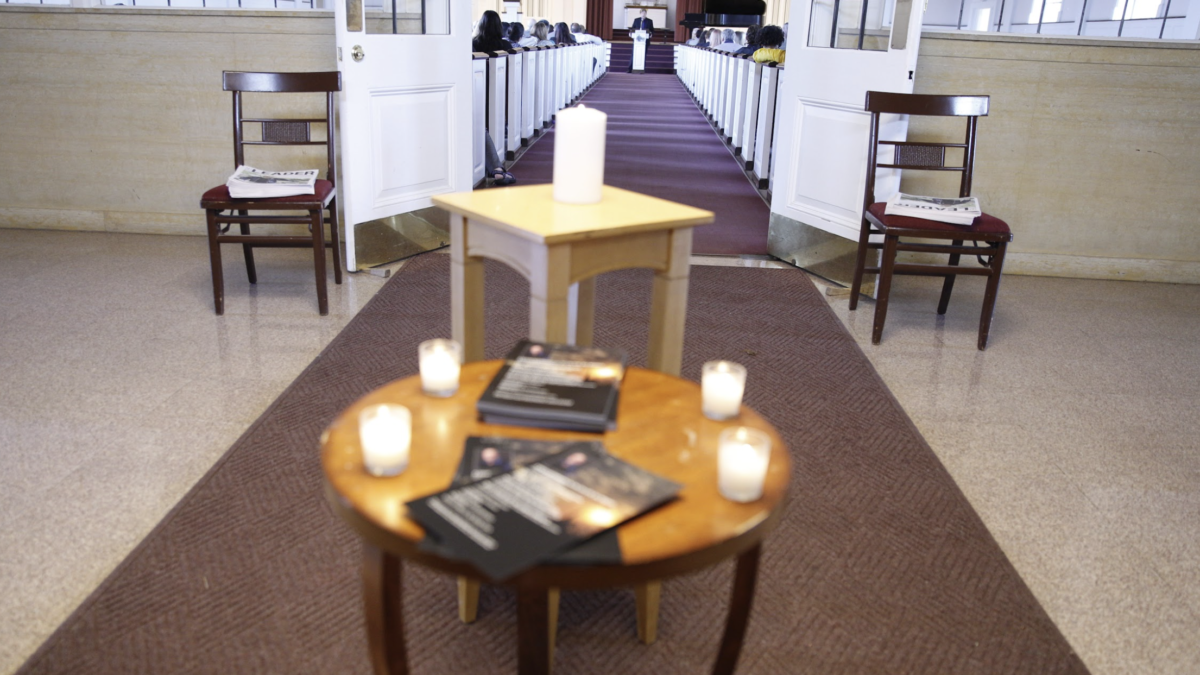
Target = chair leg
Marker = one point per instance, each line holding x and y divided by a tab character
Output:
989	296
884	286
318	239
860	263
334	243
948	284
214	254
248	252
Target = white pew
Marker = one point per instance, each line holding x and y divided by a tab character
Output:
764	131
516	64
528	98
497	88
479	65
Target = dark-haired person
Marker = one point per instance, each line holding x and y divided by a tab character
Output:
488	34
516	35
695	39
770	39
562	34
751	41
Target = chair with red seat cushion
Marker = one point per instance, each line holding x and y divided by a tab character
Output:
223	210
987	236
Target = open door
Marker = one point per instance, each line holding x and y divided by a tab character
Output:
404	122
838	50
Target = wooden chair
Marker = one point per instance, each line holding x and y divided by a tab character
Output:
223	211
988	236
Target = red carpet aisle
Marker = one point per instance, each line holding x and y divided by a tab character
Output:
660	144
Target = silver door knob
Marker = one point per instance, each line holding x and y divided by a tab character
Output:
357	53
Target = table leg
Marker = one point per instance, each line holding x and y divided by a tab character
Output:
466	293
381	575
549	291
468	599
739	612
648	595
533	620
585	312
668	306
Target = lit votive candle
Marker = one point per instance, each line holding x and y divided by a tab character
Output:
742	458
721	386
441	361
385	433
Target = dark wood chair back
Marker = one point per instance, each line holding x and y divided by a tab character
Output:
923	155
284	131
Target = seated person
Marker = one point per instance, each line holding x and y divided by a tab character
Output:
728	41
695	39
492	165
581	34
751	41
517	36
488	37
770	38
562	34
541	31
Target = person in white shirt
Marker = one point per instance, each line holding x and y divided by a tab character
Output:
581	34
695	38
728	42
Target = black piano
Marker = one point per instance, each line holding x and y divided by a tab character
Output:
727	13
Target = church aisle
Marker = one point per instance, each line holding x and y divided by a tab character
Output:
660	144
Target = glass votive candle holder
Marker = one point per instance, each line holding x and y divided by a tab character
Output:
385	434
742	458
721	386
441	361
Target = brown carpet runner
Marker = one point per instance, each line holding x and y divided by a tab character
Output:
879	566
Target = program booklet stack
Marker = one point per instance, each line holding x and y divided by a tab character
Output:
516	503
954	210
557	387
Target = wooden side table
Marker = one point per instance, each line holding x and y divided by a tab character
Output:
660	429
555	246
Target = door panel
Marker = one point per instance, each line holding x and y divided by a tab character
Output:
851	48
404	118
412	157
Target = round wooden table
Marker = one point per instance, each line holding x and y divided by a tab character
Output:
659	428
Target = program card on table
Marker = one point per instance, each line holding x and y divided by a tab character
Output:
515	520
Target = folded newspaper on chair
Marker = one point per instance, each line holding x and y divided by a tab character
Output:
250	183
956	210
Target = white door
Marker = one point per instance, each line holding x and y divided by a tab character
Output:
405	106
820	170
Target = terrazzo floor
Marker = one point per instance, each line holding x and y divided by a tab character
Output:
1073	435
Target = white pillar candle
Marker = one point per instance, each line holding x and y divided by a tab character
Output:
385	433
722	384
742	458
440	364
579	155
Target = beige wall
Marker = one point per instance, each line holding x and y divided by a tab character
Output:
114	120
1090	150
